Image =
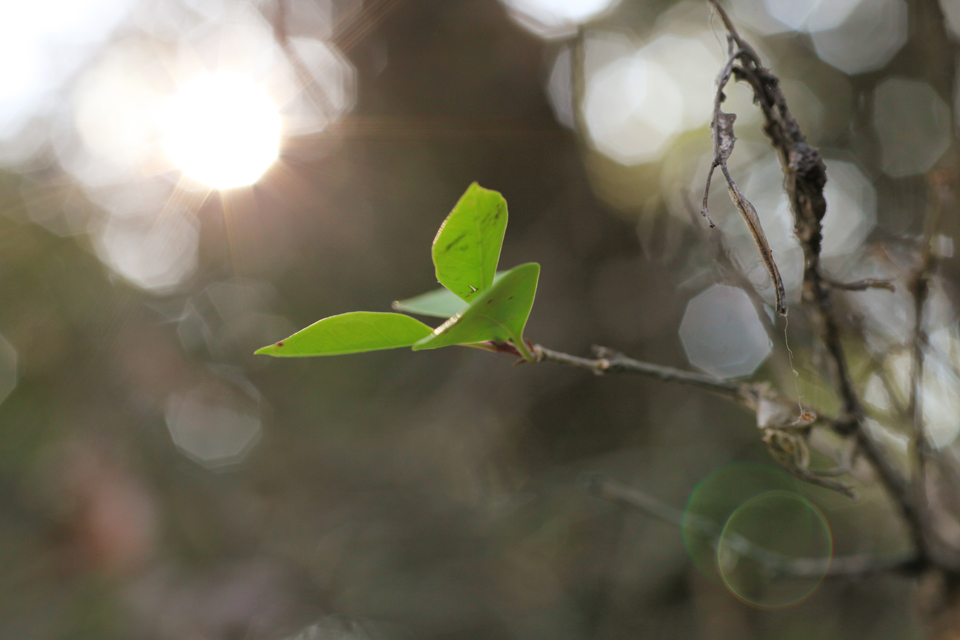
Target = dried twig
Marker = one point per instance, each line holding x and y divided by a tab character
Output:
805	176
723	141
609	361
860	285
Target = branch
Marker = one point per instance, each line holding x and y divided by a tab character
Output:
776	563
920	287
805	176
859	285
784	433
609	361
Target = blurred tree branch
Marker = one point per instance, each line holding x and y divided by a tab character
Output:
777	564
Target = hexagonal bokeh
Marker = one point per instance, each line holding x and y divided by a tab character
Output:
231	319
556	18
692	62
754	15
913	125
8	368
637	101
851	209
721	333
633	109
812	15
116	100
131	198
888	316
326	89
33	62
951	15
867	40
155	253
216	423
941	402
560	89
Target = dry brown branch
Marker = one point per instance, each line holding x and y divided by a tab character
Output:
723	141
860	285
609	361
805	177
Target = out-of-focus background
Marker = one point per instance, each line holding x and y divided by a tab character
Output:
184	181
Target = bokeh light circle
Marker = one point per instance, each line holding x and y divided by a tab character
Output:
766	542
722	334
716	498
633	109
551	19
222	130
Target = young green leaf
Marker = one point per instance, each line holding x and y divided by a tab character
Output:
499	313
351	333
439	303
467	247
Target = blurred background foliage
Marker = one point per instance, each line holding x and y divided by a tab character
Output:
159	481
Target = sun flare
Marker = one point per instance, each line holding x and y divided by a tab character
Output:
222	130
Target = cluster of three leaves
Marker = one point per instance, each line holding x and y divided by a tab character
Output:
482	306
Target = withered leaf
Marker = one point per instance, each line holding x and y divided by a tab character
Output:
723	138
723	142
749	215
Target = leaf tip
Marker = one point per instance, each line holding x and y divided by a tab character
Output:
269	350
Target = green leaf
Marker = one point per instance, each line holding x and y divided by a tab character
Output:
499	313
439	303
351	333
467	247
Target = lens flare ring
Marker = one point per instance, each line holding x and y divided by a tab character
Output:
763	539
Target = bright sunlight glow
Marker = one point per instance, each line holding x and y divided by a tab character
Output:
222	130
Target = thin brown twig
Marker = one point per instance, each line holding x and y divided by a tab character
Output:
609	361
859	285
